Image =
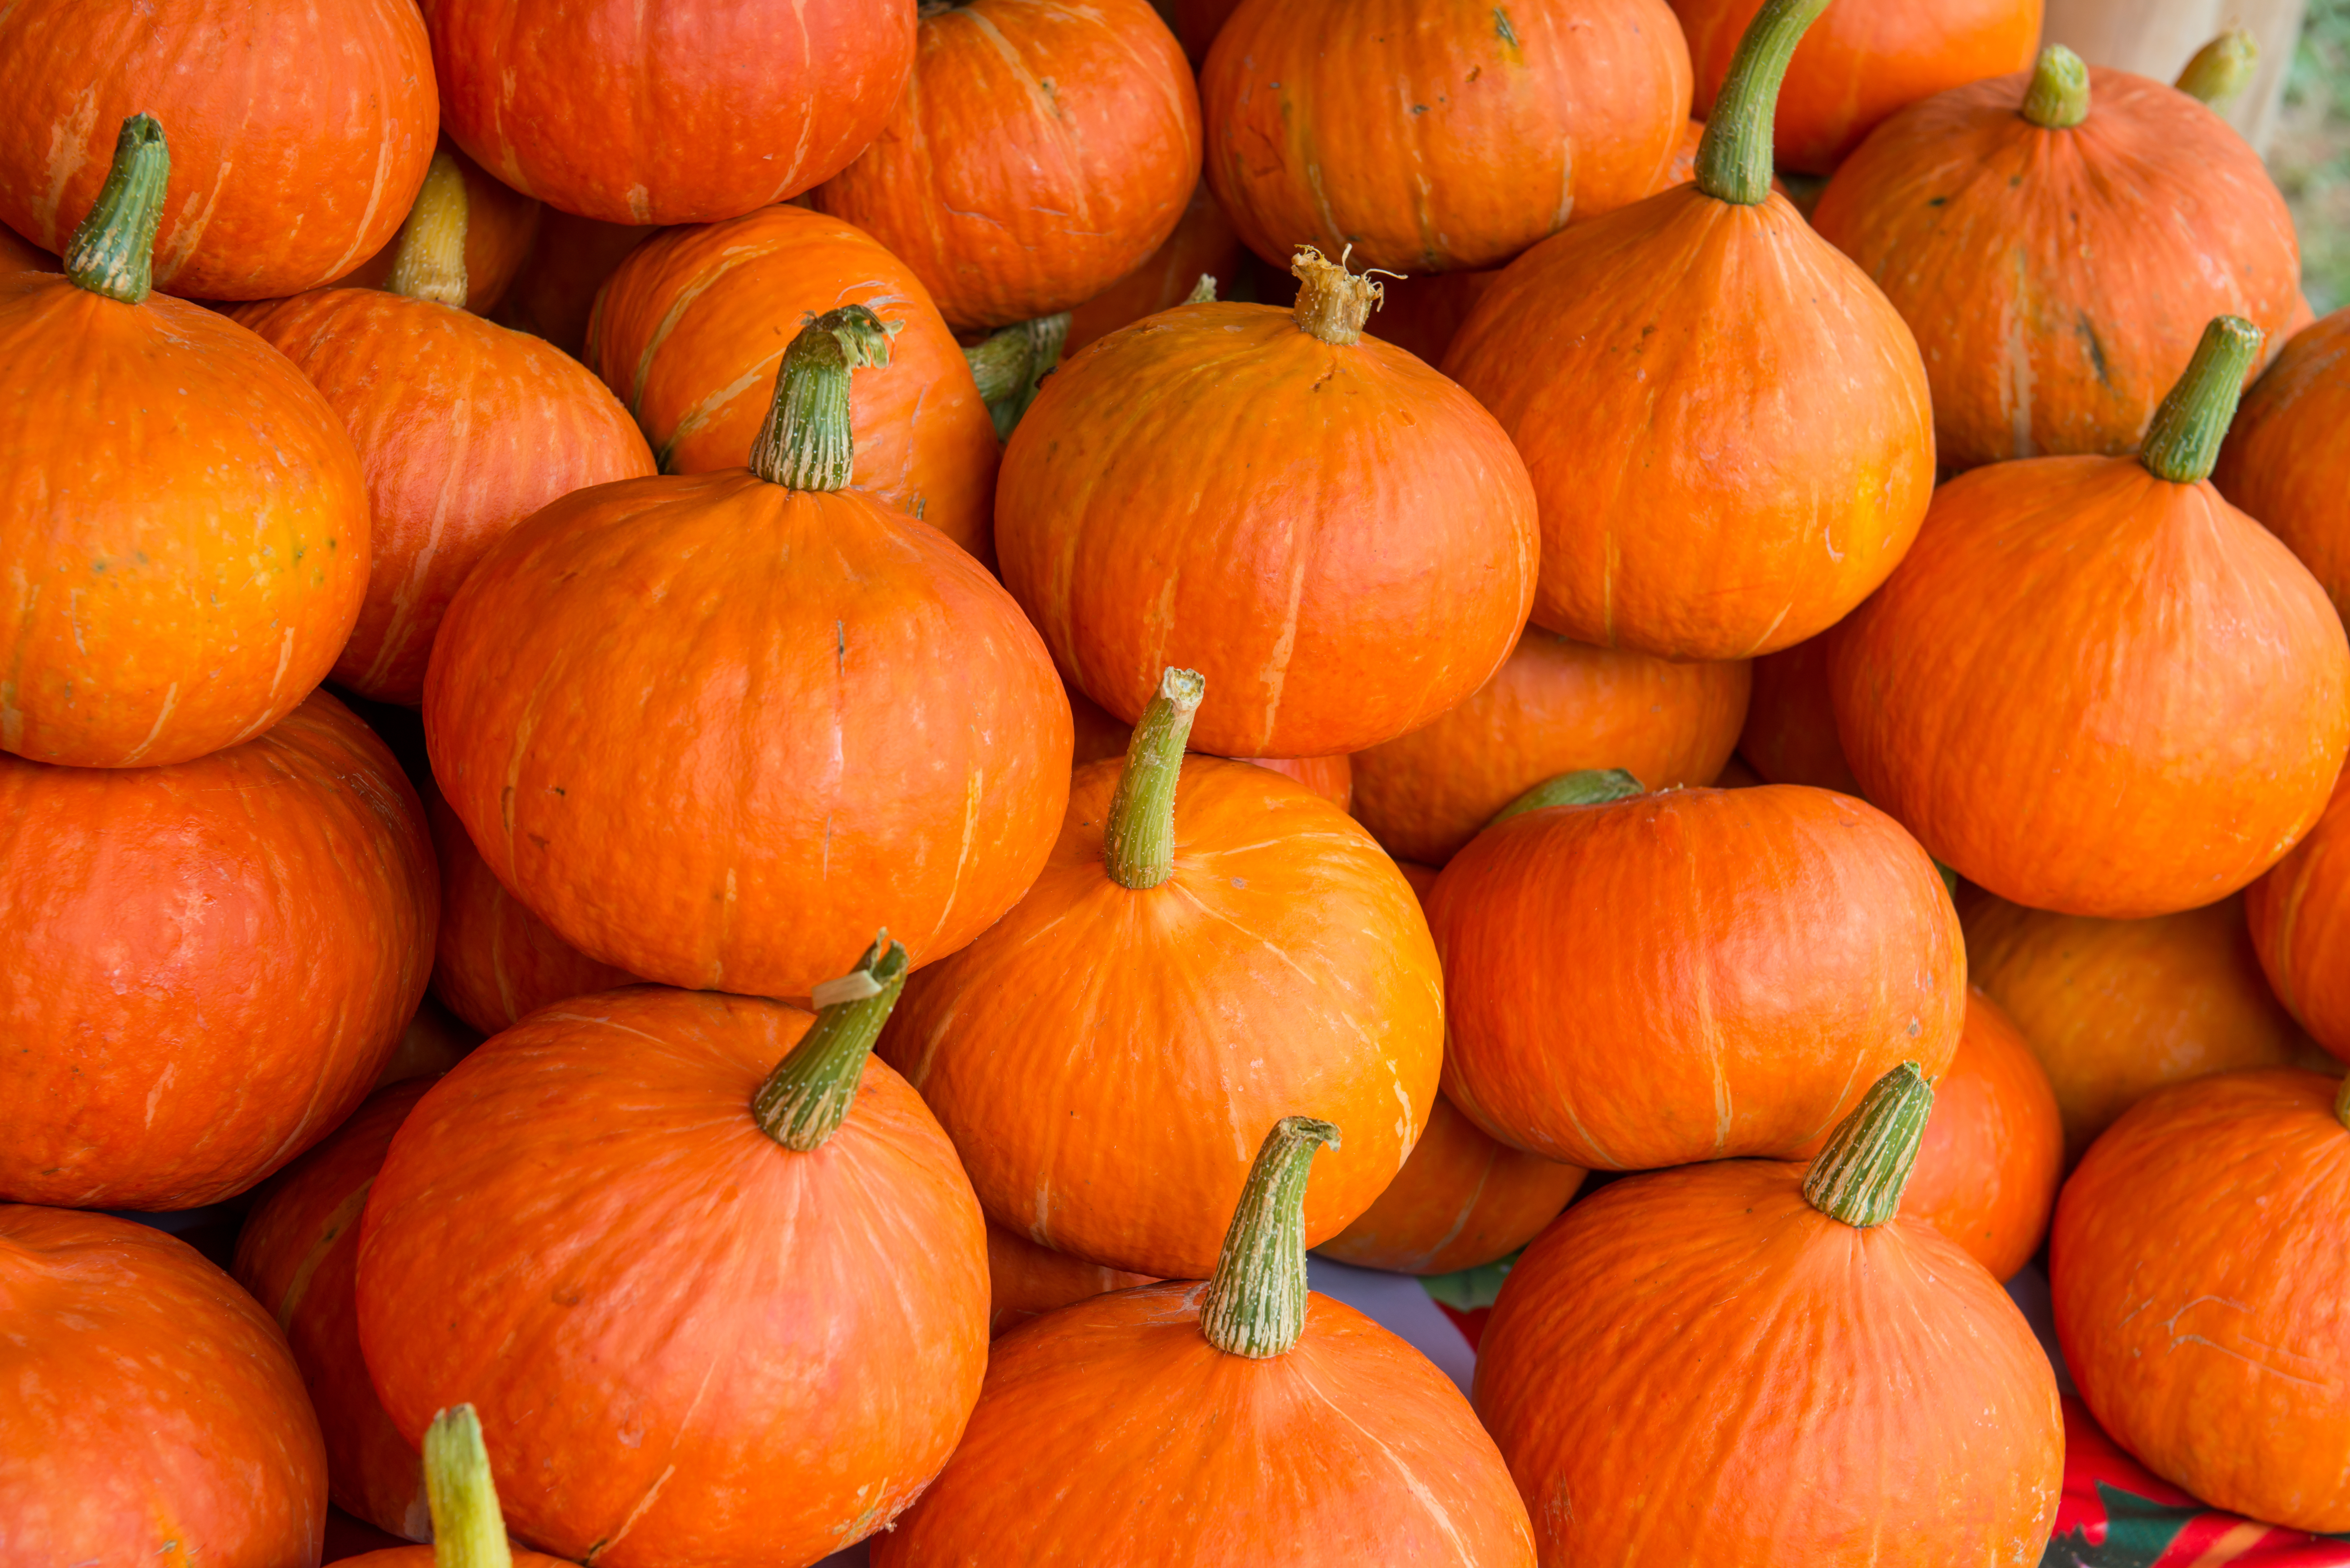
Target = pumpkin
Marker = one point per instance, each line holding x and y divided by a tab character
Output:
2299	922
2118	1009
205	965
2175	720
434	1040
2198	1275
1555	707
1791	735
1210	941
463	428
1025	1281
1245	1419
710	111
1863	62
500	228
713	1280
1197	22
1100	736
2284	462
1438	137
467	1527
20	254
1041	152
1203	246
1460	1202
298	1254
1422	315
1336	536
183	531
1635	981
1747	1364
1994	1147
1726	422
154	1416
555	288
759	649
691	332
2058	240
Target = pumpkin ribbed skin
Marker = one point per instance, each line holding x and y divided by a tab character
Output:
298	1254
1698	1367
687	1342
2300	919
1025	1281
640	660
1203	245
1035	1044
1334	534
205	966
501	229
1862	61
1112	1433
1558	706
154	1416
463	428
1459	1201
708	111
1726	422
1790	735
330	109
2284	462
1438	137
689	328
182	568
1043	149
2059	280
2198	1266
1994	1147
2172	725
1694	975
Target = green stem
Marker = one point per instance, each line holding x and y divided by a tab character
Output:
1139	838
1045	336
1593	786
805	444
808	1096
1255	1302
430	262
1859	1177
1734	159
113	252
2058	98
1331	303
2221	68
1001	365
2183	442
1202	292
468	1530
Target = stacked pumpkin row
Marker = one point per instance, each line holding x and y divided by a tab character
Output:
720	693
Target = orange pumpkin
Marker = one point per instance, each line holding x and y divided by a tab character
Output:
300	132
1993	1151
1438	137
1791	734
1863	61
463	428
2177	716
184	530
713	1279
433	1042
2199	1275
1099	736
205	966
1727	423
554	292
1203	246
1208	939
1197	22
1557	706
752	648
2285	461
2058	240
1747	1364
1338	538
1025	1281
1245	1419
20	254
2300	921
1459	1201
1041	152
467	1527
691	332
1700	974
500	229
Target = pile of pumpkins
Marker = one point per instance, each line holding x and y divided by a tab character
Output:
976	787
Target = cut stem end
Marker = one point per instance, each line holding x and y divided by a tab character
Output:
431	261
1255	1302
1331	303
2222	69
1138	837
2182	443
468	1530
805	443
2058	98
804	1101
1735	158
113	252
1859	1177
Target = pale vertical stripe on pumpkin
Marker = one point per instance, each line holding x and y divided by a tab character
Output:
113	252
804	444
1255	1301
2222	69
2182	443
804	1101
430	260
1735	158
1138	836
1591	786
468	1530
1859	1177
2058	98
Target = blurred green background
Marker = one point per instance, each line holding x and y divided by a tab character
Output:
2309	155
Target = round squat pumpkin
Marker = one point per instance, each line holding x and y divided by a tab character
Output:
500	232
2199	1266
1462	1201
205	966
2284	462
1025	1281
154	1413
1993	1151
2300	920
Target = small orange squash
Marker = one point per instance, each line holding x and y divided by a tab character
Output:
2300	920
2285	461
1993	1150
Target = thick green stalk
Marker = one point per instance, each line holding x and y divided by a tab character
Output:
2058	98
1859	1177
808	1096
431	261
468	1530
1255	1303
113	252
2221	68
2183	442
804	444
1734	159
1593	786
1139	838
1001	364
